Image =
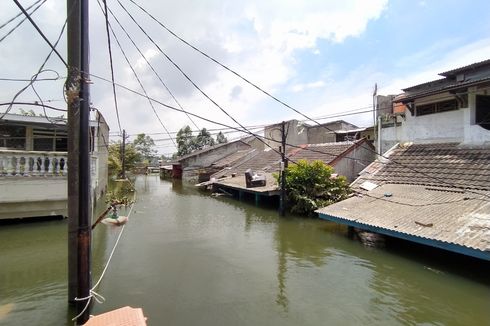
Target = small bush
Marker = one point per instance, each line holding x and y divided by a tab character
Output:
310	186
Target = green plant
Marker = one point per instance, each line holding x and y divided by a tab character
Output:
310	186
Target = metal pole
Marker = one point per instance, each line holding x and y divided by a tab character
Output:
123	153
283	171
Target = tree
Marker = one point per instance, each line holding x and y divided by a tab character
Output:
185	141
144	146
204	139
220	138
310	186
114	160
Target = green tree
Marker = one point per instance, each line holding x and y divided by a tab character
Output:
220	138
310	186
185	141
144	145
204	139
114	159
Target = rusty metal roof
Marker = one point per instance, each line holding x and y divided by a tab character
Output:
433	213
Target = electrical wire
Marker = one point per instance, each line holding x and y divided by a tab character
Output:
110	61
21	22
186	76
134	72
151	66
53	47
18	15
269	94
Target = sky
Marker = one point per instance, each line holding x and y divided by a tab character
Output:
321	57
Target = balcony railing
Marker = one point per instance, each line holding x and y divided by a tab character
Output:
32	163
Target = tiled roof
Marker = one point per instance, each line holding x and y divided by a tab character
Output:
207	149
448	165
454	217
466	68
232	158
269	160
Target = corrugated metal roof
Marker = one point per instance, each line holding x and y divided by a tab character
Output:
432	213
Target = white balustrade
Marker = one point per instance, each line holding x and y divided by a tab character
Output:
31	163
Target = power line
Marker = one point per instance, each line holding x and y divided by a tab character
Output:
33	104
151	66
134	73
53	48
19	14
21	22
111	63
185	75
41	68
269	94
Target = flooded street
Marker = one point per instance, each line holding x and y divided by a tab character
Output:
187	258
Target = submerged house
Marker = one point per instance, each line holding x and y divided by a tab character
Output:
34	164
347	159
432	185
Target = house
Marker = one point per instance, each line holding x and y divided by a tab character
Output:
455	108
432	184
199	165
433	194
34	164
298	133
347	158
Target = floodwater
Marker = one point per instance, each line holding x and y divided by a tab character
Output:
190	259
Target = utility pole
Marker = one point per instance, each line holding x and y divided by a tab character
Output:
282	206
123	154
79	194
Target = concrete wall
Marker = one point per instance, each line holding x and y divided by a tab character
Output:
102	153
355	161
325	133
444	127
296	134
33	196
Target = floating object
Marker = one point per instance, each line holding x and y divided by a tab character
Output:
122	316
120	220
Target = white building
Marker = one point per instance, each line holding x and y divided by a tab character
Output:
34	164
455	108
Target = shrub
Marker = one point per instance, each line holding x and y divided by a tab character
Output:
310	186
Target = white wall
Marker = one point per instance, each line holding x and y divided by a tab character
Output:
444	127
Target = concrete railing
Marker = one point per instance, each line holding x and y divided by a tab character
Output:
32	163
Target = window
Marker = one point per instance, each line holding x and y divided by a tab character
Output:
482	111
50	140
13	137
443	106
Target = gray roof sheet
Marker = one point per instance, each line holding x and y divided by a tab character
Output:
446	165
439	214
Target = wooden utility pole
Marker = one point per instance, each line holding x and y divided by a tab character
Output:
123	155
79	194
282	206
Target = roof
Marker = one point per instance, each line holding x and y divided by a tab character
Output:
428	191
437	214
466	68
270	160
448	165
210	148
40	120
233	158
239	183
473	74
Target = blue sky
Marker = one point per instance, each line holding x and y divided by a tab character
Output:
322	57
